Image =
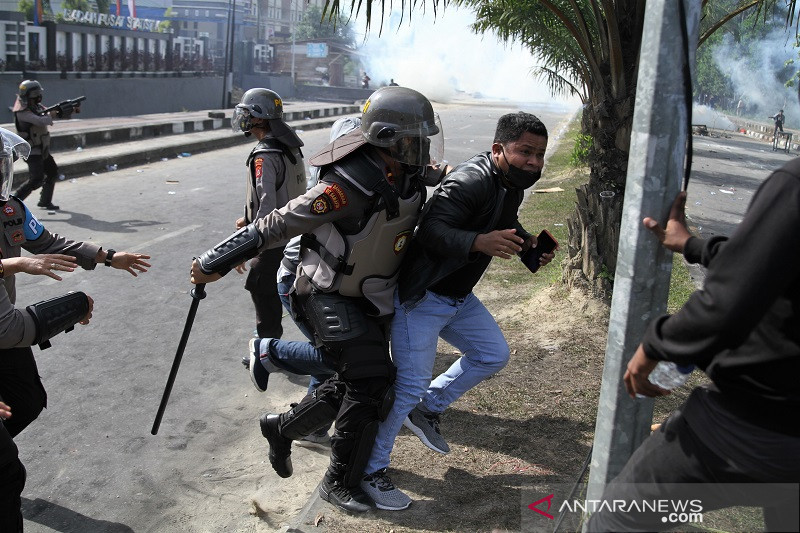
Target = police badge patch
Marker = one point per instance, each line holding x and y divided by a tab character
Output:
401	240
9	210
321	205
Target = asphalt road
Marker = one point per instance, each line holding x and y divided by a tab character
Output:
727	169
93	465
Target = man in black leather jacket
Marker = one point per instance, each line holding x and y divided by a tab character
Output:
470	218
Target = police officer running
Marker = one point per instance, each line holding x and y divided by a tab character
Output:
355	224
20	386
275	175
33	125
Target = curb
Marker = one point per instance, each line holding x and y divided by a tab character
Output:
144	151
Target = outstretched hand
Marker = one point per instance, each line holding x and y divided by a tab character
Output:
41	265
676	234
498	243
130	262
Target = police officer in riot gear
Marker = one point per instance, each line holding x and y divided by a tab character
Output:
32	123
275	175
20	386
355	225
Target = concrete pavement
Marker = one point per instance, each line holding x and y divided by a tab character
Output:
86	146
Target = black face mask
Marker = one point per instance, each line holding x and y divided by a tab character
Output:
518	178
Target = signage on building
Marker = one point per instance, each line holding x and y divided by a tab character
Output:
316	50
113	21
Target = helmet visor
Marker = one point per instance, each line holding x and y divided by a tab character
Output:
13	146
419	144
241	120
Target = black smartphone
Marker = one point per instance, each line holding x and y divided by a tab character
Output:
545	244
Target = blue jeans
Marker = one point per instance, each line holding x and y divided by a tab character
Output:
297	357
463	322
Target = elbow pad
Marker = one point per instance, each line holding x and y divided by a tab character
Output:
237	248
56	315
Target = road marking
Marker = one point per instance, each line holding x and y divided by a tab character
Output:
165	237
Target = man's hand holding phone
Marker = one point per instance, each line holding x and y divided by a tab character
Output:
541	254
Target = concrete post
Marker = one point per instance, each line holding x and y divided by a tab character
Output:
641	281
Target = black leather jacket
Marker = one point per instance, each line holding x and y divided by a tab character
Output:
468	202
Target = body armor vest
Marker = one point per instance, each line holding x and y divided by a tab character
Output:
365	263
37	136
294	181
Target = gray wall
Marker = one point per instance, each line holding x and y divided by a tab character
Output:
280	84
117	97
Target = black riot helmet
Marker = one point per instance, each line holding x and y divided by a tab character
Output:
30	90
402	121
267	105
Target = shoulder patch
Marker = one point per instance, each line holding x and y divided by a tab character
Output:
322	204
33	228
9	210
259	167
337	195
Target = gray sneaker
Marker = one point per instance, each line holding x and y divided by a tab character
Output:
426	427
383	492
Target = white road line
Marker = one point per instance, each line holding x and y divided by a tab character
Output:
165	237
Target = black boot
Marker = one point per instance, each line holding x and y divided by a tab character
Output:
280	448
333	490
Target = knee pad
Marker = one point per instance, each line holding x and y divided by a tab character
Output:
316	411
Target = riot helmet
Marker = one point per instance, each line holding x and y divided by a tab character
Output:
13	146
268	106
30	90
402	121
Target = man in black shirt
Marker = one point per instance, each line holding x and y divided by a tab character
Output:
471	218
739	433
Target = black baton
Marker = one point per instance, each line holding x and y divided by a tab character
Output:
198	293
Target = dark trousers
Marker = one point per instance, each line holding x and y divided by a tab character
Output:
674	464
42	172
365	373
22	390
263	286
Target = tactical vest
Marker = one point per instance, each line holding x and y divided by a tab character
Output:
365	263
294	179
37	136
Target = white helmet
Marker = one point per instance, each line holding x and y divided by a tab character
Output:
13	147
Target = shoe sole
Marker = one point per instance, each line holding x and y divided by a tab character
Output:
327	497
387	508
255	360
421	435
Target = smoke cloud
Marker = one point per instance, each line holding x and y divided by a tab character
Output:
441	57
757	81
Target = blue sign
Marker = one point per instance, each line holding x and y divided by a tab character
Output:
316	50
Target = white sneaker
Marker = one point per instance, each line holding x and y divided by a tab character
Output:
383	492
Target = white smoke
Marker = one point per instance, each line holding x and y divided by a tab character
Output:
755	82
441	57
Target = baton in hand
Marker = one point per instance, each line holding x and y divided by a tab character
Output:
198	293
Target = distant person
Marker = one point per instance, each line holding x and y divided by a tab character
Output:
275	175
365	81
739	108
779	119
392	83
740	431
33	124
